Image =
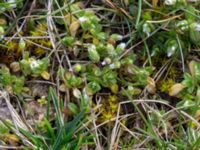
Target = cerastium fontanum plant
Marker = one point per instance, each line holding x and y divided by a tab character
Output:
99	74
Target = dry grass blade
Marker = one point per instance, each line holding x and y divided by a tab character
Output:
16	119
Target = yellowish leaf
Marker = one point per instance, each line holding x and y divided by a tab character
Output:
176	89
62	88
3	22
197	118
45	75
151	85
87	36
192	68
9	89
114	88
74	27
154	3
126	2
12	139
95	41
69	18
77	93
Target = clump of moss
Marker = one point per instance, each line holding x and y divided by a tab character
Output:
109	108
166	85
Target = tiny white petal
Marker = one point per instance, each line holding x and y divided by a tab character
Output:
82	19
1	37
112	66
170	2
120	37
197	27
103	63
183	25
34	64
92	47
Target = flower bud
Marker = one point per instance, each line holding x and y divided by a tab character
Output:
147	28
77	68
1	32
172	46
93	54
182	25
73	108
195	33
15	66
68	41
22	45
120	48
116	37
106	61
115	65
170	2
111	50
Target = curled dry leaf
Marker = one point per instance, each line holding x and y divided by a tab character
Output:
151	85
176	89
12	139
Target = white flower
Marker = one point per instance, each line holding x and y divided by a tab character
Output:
170	2
119	37
112	66
122	45
13	3
82	19
92	47
34	64
183	25
103	63
197	27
